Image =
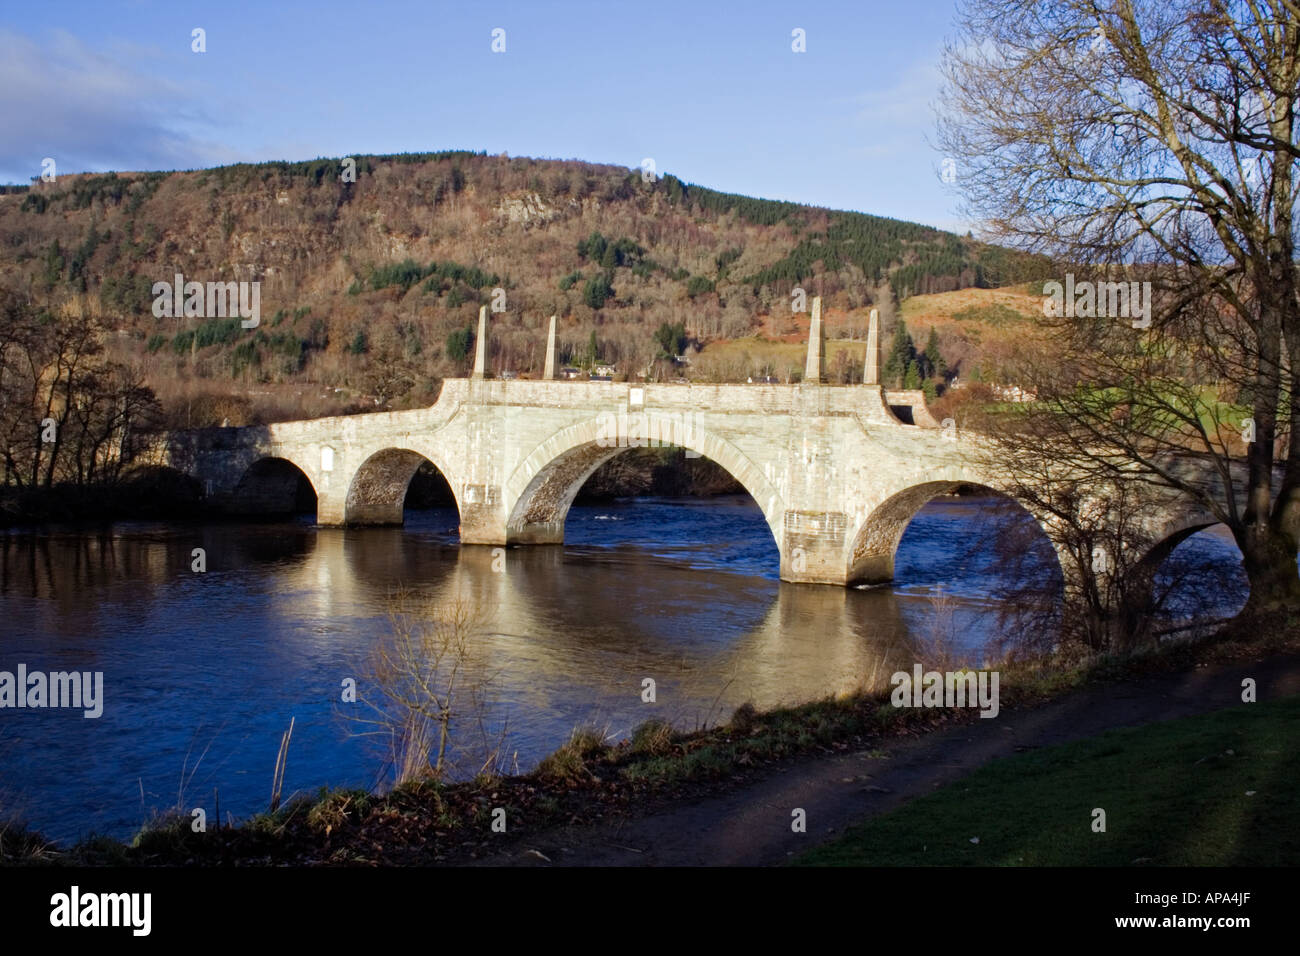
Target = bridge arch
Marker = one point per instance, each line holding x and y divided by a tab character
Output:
377	491
875	544
541	489
1172	593
1170	533
274	485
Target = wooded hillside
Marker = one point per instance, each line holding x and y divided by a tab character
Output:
370	289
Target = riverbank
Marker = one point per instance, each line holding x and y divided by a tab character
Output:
145	494
666	798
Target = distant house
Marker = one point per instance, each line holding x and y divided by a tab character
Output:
509	376
570	372
764	380
1014	393
600	378
605	371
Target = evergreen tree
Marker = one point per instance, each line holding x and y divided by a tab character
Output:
53	264
902	354
591	349
913	377
671	339
936	367
698	286
458	344
597	290
593	247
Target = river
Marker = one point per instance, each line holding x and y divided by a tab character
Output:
203	671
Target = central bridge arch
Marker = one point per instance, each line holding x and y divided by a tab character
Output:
376	493
542	488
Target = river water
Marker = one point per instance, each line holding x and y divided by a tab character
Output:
204	671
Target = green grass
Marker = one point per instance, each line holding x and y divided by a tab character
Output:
1174	795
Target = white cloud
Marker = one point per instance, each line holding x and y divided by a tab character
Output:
95	110
904	105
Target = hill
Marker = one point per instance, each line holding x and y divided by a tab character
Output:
370	289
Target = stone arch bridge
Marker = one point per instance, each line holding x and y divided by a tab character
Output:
838	470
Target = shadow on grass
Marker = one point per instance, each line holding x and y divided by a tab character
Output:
1174	794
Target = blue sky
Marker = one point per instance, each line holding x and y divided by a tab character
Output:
712	92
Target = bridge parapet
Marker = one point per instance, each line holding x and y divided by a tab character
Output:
864	401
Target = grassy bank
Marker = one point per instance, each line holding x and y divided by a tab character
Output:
586	780
1217	789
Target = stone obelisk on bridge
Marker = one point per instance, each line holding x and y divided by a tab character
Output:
871	368
549	371
815	368
480	345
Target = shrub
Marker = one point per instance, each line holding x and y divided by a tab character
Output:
698	286
654	737
569	763
744	718
333	810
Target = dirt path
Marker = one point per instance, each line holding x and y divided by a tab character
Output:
750	826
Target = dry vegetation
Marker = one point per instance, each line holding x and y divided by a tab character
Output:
363	283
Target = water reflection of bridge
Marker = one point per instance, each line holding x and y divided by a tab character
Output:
607	625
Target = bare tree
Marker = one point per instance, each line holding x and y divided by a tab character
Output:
422	690
1151	140
57	383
